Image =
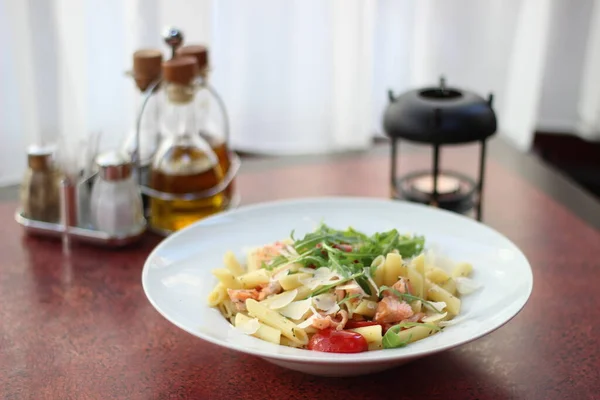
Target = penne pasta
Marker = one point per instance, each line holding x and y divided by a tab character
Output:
254	279
462	269
289	282
393	268
372	334
263	332
379	264
226	278
217	295
436	293
277	321
418	263
416	281
437	275
415	333
366	308
232	264
449	286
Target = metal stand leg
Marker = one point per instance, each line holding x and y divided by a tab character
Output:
393	170
481	176
436	172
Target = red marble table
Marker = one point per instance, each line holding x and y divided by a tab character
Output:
78	326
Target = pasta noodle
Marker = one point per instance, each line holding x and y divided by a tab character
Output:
226	278
393	268
255	278
232	264
301	293
263	331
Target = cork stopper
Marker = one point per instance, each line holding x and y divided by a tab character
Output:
146	67
181	70
199	52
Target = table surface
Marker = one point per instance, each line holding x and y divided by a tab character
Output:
76	325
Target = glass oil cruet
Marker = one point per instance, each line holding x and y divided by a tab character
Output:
210	111
143	138
185	173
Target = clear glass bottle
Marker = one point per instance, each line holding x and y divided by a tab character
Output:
210	111
147	64
40	192
116	201
185	163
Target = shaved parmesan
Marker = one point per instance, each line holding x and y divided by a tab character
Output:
322	276
436	306
308	322
307	270
249	326
281	274
332	310
296	309
466	285
325	301
434	317
283	299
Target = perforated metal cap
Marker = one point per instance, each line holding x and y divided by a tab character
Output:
113	167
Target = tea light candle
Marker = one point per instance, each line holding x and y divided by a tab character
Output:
445	184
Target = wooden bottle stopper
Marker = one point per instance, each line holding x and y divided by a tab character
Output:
180	70
147	66
199	52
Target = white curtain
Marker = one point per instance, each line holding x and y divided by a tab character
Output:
298	76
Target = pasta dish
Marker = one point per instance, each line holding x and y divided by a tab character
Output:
341	291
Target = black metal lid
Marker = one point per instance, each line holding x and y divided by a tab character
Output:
440	115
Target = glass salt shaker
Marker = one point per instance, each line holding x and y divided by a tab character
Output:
116	205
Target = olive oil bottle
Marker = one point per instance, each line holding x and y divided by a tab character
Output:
210	112
185	166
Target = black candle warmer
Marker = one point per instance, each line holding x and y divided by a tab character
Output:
439	116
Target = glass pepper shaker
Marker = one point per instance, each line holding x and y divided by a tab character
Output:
40	194
116	205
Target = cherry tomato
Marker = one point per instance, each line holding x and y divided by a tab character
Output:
334	341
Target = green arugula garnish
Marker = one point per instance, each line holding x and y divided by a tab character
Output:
348	298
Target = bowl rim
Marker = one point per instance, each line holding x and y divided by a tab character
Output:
367	357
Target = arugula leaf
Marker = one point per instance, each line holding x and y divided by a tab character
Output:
409	297
392	341
363	282
348	298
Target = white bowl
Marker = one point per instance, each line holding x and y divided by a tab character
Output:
177	277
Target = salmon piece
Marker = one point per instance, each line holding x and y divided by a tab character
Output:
415	318
401	286
239	297
264	255
272	288
325	322
390	309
